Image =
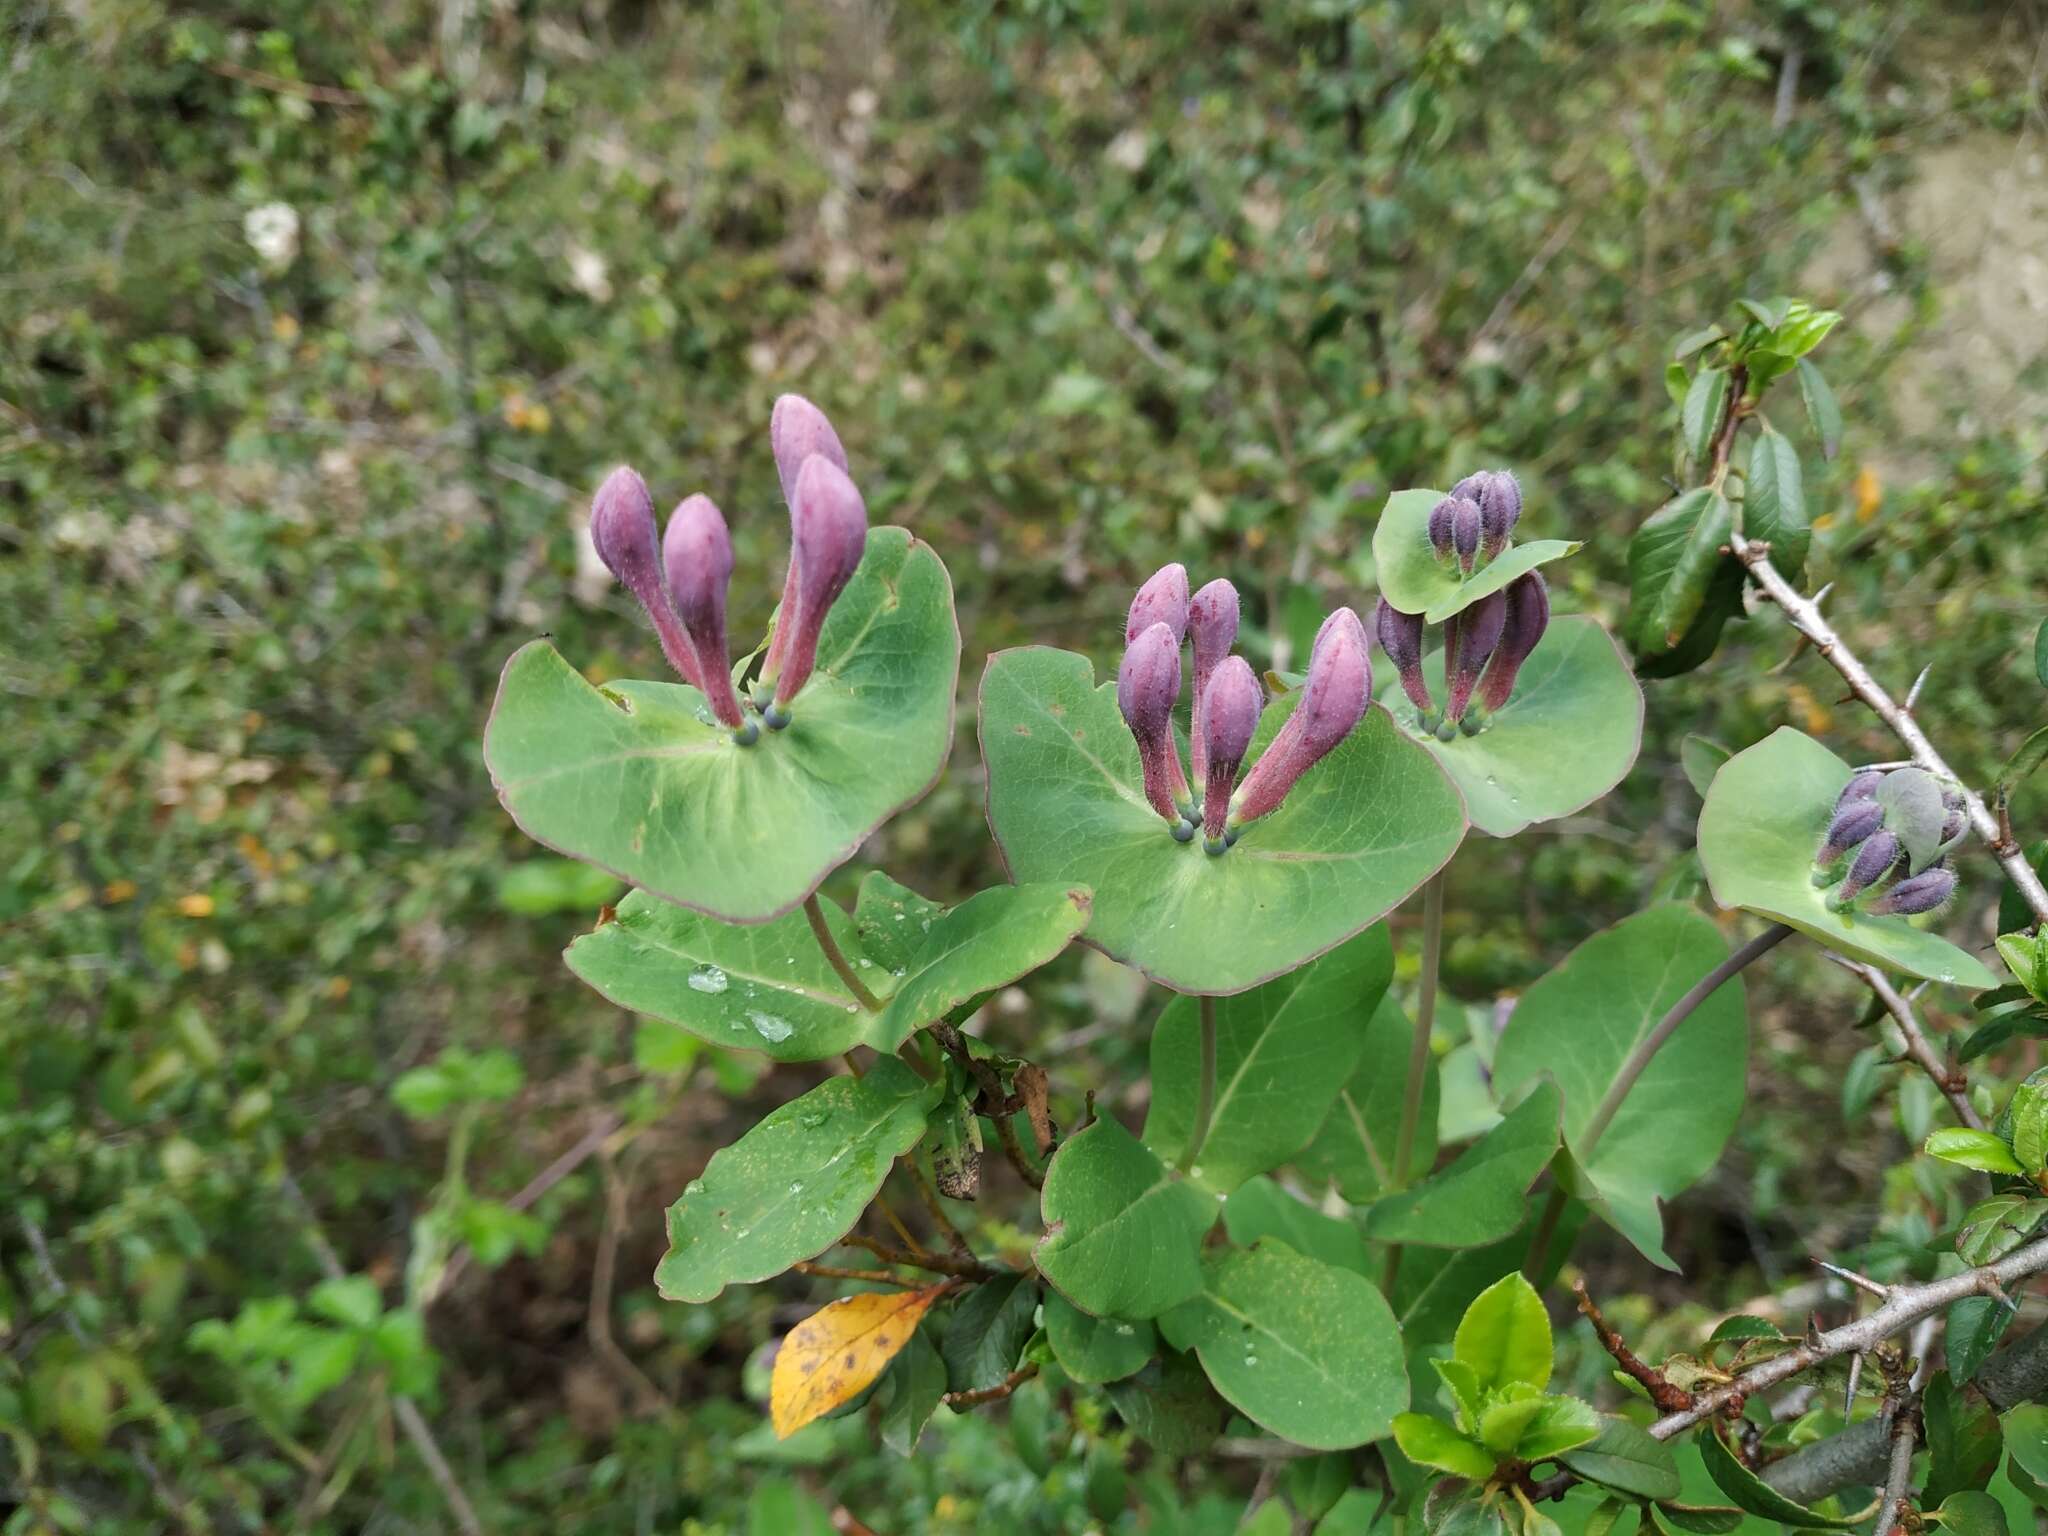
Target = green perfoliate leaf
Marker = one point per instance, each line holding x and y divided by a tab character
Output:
793	1185
1356	1145
1361	831
1482	1196
1672	563
1566	735
986	942
1413	582
1764	819
1774	503
1283	1052
637	779
1306	1350
1821	408
1699	416
1748	1491
1433	1443
1981	1150
1123	1232
758	987
1505	1336
1096	1349
1580	1025
1627	1459
1259	1208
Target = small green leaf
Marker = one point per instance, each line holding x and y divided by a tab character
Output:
1465	1393
1561	1424
1963	1438
1629	1460
2041	654
1096	1350
1605	1516
1745	1489
1432	1443
2026	1438
1774	503
1171	1406
1107	1200
1972	1149
1803	328
910	1393
1677	379
1503	1418
2026	956
1481	1197
1673	560
1821	408
1993	1228
987	1331
2030	1128
1770	314
1970	1513
537	887
795	1184
1975	1325
1701	758
1505	1336
1744	1326
1700	1519
1697	341
2028	756
1699	417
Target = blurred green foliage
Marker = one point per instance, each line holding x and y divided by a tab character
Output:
317	324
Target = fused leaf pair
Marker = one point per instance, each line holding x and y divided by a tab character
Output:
1887	843
683	586
1227	705
1485	646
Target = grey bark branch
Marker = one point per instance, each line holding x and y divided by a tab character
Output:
1805	616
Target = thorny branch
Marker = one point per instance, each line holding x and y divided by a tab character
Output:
937	1263
1666	1394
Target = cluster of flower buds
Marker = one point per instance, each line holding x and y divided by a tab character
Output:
1227	703
1886	848
1469	527
1485	646
682	580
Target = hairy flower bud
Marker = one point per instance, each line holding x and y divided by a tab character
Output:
1500	508
1862	787
828	532
1470	638
797	431
622	529
1162	600
1212	626
1528	616
696	553
1441	518
1147	685
1333	700
1465	527
1230	714
1401	638
1853	824
1917	893
1874	861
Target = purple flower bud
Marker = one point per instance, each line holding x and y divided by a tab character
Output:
1470	638
797	431
622	529
1852	825
1401	638
1465	525
1333	700
1527	618
1873	862
828	532
1862	787
1147	684
1230	715
1441	518
1500	508
1162	600
696	552
1917	893
1212	624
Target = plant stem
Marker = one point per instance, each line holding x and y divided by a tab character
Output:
1418	1055
1546	1230
836	957
1647	1048
1205	1086
1425	1027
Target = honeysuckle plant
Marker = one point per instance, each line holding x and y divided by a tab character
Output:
1294	1243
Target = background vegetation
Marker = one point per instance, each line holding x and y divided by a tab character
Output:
318	323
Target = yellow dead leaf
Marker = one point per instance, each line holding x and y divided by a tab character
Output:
118	891
1869	491
832	1355
198	904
